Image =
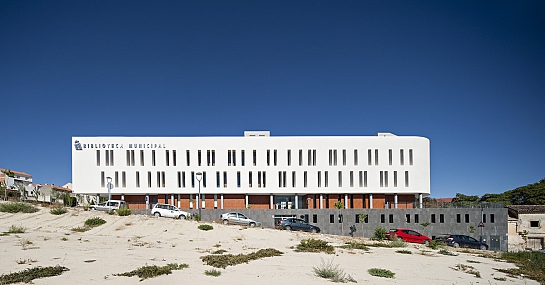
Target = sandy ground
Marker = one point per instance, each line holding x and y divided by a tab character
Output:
126	243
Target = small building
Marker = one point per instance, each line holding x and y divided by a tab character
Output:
526	229
13	180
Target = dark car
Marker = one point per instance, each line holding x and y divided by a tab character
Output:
297	225
462	241
407	235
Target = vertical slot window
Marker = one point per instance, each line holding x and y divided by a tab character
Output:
382	179
192	179
319	179
238	179
401	157
293	180
242	158
326	182
132	157
433	218
390	157
158	179
137	179
340	174
128	157
458	218
98	157
330	157
183	179
284	179
213	158
116	179
275	157
179	176
107	152
492	218
314	157
199	158
369	157
351	178
376	156
484	218
268	157
229	158
167	157
395	178
309	162
225	179
141	157
123	179
365	179
300	157
187	157
234	157
255	157
416	219
153	158
410	157
149	179
406	178
250	179
218	181
335	157
385	178
356	157
305	179
208	158
382	218
289	157
174	157
390	218
467	218
344	156
407	218
102	178
442	218
360	176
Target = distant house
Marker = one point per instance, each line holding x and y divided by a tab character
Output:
13	183
526	227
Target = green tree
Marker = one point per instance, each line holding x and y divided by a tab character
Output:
362	218
465	198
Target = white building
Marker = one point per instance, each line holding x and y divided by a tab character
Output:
256	170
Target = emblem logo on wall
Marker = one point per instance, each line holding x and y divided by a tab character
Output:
77	145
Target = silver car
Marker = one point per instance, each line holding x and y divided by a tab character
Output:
169	211
238	219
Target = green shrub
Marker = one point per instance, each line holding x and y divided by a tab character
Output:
222	261
16	229
531	264
404	251
398	243
380	234
435	244
205	227
446	252
197	218
30	274
81	229
315	245
94	222
16	207
331	271
58	211
379	272
124	211
355	245
150	271
212	272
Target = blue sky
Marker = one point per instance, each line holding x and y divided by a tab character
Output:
470	76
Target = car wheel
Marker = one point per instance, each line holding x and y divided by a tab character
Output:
427	242
182	217
313	231
157	214
483	247
456	244
399	239
288	228
225	222
252	225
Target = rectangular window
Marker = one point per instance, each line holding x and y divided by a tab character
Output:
293	180
183	179
179	176
355	157
492	218
369	157
229	163
259	179
279	179
204	179
382	179
132	157
213	158
158	179
467	218
123	179
326	183
268	157
335	157
319	179
250	179
149	179
192	179
390	218
187	157
309	162
275	157
111	158
264	178
410	157
305	179
401	157
116	179
331	218
314	218
407	218
300	157
395	178
340	179
141	157
218	180
376	156
199	158
330	157
174	157
238	179
351	178
163	179
107	152
361	178
167	157
98	157
534	224
382	218
484	218
314	157
137	179
441	218
390	157
242	158
283	178
416	218
255	157
234	157
289	157
208	158
433	218
344	156
128	157
385	178
406	178
153	158
102	178
225	179
458	218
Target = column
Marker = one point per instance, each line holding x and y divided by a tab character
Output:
178	201
123	197
190	201
246	200
346	201
271	201
147	203
370	201
203	201
420	200
221	201
296	201
172	199
395	200
97	199
321	201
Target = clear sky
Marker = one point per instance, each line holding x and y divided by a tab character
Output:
468	75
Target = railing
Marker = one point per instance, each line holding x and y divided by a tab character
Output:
434	204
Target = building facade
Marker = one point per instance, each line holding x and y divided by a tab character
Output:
256	171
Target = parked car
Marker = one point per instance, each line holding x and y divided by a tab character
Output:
169	211
407	235
109	205
238	219
462	241
297	225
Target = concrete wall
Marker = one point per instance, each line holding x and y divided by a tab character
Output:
448	224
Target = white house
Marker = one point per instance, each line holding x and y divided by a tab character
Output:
255	170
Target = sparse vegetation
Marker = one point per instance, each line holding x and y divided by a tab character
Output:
355	245
94	222
219	251
467	269
446	252
379	272
58	211
213	272
530	264
150	271
205	227
435	244
30	274
315	245
16	229
80	229
472	261
404	251
331	271
16	207
380	234
222	261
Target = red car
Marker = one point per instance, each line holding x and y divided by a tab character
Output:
408	236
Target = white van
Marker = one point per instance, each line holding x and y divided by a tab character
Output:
109	205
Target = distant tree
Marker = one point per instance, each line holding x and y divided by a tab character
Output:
22	191
465	198
8	173
36	193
